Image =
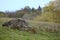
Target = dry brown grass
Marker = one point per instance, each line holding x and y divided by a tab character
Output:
5	19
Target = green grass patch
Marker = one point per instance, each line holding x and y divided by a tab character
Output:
11	34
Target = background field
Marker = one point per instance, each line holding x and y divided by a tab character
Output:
10	34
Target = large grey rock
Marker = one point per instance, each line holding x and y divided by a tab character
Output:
19	24
16	23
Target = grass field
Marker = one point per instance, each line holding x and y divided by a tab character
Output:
10	34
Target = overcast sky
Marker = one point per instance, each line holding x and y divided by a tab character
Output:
12	5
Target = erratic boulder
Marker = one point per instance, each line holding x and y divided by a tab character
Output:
19	24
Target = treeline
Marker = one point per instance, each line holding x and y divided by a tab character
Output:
51	12
22	13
